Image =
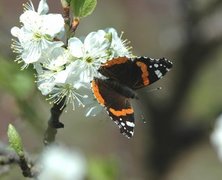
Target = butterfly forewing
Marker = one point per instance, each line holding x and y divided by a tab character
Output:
120	69
151	70
136	73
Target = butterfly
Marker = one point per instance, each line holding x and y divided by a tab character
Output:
124	76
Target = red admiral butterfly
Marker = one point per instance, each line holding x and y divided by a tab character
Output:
124	75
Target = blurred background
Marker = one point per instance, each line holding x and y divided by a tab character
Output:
174	142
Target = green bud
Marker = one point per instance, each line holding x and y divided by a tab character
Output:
15	140
83	8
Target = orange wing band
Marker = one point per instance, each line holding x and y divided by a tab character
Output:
97	94
122	112
145	73
115	61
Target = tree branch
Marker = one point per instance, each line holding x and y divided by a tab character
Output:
25	167
54	123
8	158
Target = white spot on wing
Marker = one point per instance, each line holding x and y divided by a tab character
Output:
130	124
156	65
131	132
158	73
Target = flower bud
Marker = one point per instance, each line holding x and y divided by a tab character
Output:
15	140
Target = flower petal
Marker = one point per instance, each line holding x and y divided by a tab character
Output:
52	24
46	87
76	47
31	55
43	7
32	21
15	31
96	42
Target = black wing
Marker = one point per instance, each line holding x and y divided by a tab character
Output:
151	70
117	106
120	69
135	73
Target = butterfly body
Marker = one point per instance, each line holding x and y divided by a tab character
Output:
120	88
123	77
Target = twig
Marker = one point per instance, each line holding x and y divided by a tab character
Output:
8	159
25	167
53	123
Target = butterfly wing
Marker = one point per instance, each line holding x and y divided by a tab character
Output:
151	70
135	73
128	75
117	106
119	69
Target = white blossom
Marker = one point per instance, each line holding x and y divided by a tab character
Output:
37	32
64	71
97	48
59	78
89	54
59	163
118	47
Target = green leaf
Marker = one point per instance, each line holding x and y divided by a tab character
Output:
15	140
83	8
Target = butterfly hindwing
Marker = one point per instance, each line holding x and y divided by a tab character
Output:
117	105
